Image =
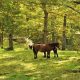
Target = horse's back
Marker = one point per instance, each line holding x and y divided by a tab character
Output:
36	46
42	47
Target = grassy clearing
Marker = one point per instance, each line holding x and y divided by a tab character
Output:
20	65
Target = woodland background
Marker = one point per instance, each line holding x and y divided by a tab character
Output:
42	21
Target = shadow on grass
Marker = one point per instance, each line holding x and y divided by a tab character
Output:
5	60
24	67
13	72
19	76
12	68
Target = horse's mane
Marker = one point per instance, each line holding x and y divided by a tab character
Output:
54	44
30	46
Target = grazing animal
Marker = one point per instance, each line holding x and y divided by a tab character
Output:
45	48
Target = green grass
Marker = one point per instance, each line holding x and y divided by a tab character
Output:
20	65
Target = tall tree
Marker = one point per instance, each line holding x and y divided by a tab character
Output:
1	35
64	34
10	12
45	21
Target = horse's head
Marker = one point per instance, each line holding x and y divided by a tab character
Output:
54	45
29	43
57	45
30	46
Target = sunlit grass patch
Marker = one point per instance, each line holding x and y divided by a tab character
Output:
3	77
70	76
19	49
28	66
20	64
19	76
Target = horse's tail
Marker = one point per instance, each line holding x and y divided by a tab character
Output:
31	46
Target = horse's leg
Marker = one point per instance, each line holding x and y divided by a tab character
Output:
48	54
44	54
55	52
35	53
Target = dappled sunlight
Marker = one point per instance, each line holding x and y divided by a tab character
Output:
19	49
20	63
73	58
3	77
64	75
7	55
70	76
10	63
29	66
8	69
34	73
39	39
62	62
70	59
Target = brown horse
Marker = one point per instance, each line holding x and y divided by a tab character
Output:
45	48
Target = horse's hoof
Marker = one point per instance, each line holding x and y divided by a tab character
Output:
35	58
48	56
44	56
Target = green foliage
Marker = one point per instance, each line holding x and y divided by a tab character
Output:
26	18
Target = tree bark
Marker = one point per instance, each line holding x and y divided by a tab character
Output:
10	41
73	9
54	36
64	34
45	22
77	2
1	39
1	35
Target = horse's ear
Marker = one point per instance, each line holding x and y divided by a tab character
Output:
30	46
58	45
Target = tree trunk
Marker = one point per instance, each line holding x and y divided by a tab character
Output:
54	36
64	34
0	40
10	41
1	36
77	2
45	23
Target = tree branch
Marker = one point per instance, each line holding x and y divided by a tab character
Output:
77	2
73	9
